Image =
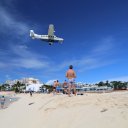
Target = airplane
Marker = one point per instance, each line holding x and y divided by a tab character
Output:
50	38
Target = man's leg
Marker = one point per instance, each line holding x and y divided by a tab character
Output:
69	89
74	89
65	90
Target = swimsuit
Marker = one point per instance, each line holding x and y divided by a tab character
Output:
71	81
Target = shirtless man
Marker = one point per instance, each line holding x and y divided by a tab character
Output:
55	84
65	86
57	87
54	87
71	75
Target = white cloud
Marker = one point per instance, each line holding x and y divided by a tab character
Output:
10	26
28	59
24	52
29	63
23	57
99	56
105	45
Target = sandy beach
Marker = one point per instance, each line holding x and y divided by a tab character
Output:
91	110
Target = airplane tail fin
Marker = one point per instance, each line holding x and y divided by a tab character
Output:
32	34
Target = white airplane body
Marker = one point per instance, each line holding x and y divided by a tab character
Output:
50	38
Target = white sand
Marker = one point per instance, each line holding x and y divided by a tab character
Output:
106	110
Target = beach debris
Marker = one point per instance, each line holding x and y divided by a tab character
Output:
126	105
104	110
31	103
80	94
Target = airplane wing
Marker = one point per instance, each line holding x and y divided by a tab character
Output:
51	30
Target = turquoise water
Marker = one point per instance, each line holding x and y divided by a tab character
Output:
8	100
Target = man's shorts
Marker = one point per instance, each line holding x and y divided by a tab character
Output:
71	83
65	87
58	88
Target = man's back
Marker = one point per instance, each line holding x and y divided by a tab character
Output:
70	74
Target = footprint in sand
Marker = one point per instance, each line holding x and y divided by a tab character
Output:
49	109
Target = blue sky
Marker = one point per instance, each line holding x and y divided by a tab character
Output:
95	36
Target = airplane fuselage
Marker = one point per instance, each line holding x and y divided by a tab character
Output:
51	38
47	38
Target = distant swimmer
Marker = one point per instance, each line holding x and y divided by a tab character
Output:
2	100
71	75
50	38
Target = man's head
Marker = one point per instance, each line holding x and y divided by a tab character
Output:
70	67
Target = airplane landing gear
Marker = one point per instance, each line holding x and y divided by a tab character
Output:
50	43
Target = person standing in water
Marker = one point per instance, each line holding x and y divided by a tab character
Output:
2	100
71	75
